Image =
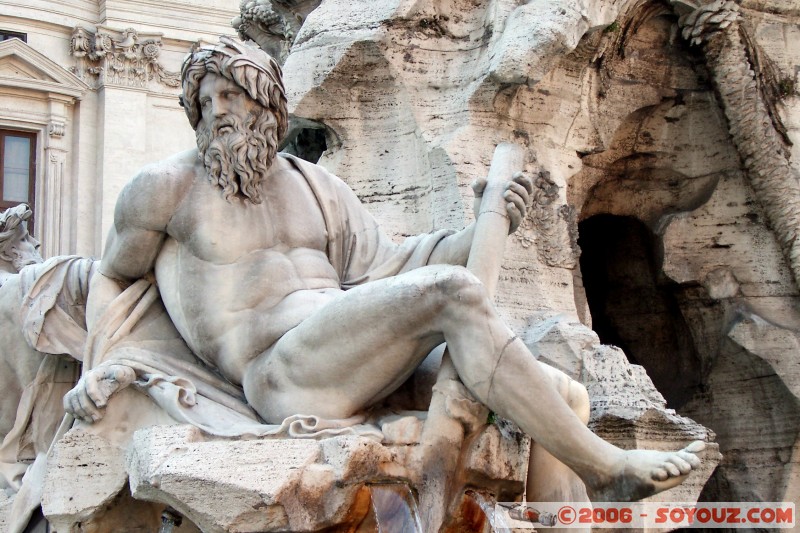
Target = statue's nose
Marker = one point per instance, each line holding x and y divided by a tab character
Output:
219	108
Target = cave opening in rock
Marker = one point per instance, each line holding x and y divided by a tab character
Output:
307	141
633	306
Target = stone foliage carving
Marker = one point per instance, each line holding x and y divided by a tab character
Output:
550	225
125	58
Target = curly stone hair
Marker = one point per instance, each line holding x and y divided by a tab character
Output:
10	221
247	66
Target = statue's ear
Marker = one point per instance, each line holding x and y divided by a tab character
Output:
5	255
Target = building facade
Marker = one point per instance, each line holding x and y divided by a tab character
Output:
88	95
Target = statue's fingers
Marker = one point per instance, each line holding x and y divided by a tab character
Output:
124	376
73	406
525	180
69	403
97	388
92	413
82	407
515	215
516	202
520	191
478	186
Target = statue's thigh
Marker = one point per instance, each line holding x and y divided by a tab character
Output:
350	353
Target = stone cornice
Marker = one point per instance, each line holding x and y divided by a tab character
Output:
58	12
180	20
49	77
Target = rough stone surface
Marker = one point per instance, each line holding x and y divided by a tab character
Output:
665	137
298	484
84	460
629	124
5	508
216	342
171	465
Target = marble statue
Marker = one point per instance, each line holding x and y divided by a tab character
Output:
42	336
20	363
17	247
278	280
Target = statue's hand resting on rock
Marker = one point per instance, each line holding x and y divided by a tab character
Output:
87	400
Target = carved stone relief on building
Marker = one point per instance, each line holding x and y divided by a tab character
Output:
126	58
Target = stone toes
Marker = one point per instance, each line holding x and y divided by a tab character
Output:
672	469
660	474
683	466
695	447
690	458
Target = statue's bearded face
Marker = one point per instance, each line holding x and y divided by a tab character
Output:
236	137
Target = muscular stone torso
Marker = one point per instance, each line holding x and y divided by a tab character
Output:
236	276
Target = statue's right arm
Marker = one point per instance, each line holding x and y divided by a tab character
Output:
134	240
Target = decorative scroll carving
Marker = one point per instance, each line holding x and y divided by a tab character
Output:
56	129
124	58
552	227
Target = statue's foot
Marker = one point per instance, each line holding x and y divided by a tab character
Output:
642	473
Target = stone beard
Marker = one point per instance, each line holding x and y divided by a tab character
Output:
237	154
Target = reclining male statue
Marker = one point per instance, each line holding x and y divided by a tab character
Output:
276	277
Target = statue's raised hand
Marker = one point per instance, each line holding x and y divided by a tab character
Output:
518	194
87	400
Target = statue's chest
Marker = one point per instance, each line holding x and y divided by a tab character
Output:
220	231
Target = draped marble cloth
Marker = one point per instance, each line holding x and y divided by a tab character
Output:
50	298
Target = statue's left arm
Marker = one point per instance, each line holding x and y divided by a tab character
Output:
361	252
455	249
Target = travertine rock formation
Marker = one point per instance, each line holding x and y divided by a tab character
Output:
666	219
666	128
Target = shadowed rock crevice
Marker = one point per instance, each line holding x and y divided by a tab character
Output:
307	140
633	307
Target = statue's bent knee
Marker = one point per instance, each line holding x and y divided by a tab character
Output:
460	286
578	400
